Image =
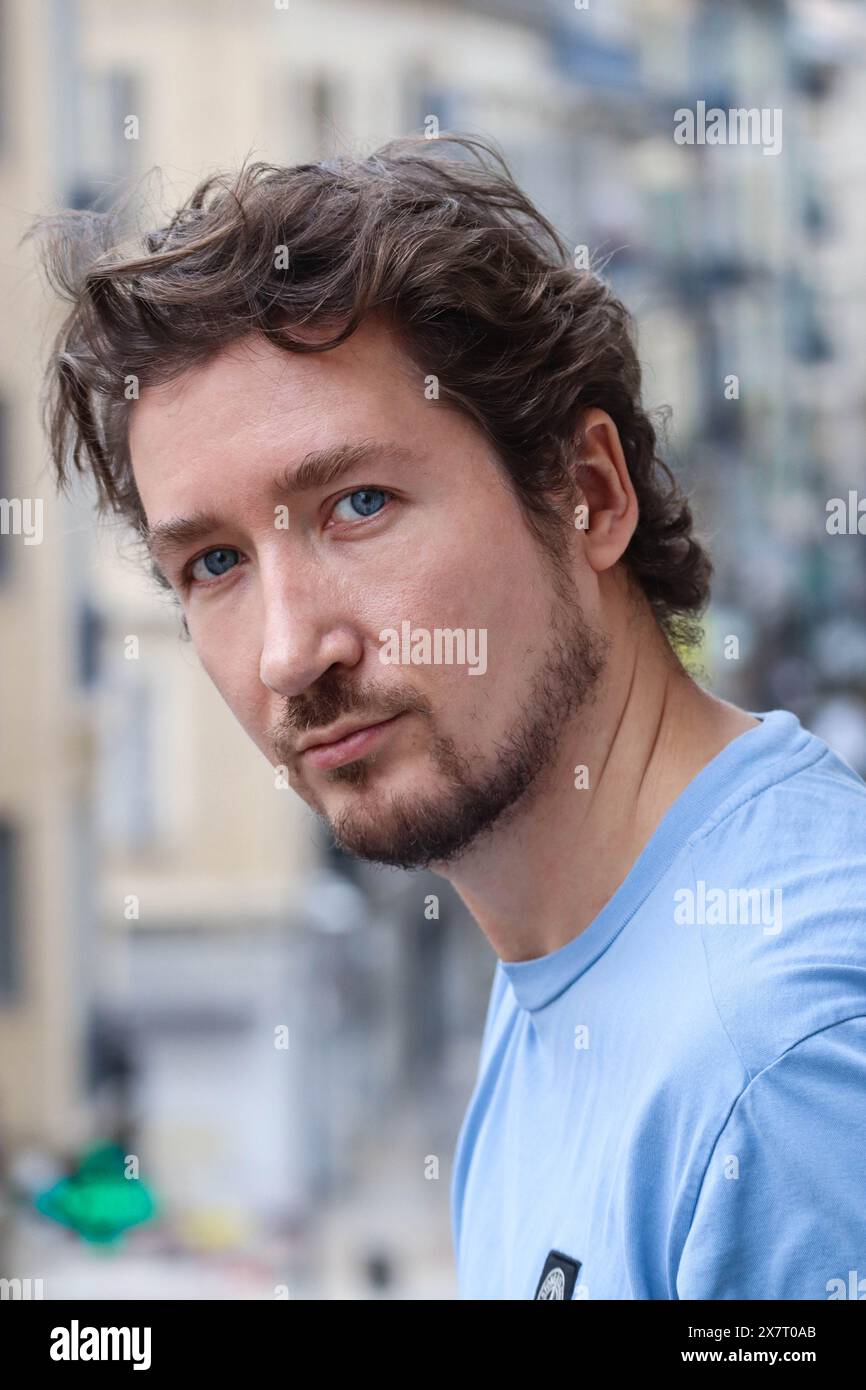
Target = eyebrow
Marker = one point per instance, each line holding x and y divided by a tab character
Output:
317	469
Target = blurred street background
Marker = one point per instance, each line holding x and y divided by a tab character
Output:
284	1041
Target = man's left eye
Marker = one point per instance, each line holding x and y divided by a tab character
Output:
368	500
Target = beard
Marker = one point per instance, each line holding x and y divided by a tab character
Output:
473	793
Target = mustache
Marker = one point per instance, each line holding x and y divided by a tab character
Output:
337	701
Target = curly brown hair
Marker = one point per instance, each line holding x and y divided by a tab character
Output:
480	287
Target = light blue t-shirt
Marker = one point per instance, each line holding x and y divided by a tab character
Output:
673	1104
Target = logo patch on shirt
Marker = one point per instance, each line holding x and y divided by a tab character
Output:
558	1277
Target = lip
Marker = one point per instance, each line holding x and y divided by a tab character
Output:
343	750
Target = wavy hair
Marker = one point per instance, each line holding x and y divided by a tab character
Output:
479	286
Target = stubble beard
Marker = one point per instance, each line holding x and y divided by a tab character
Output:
475	792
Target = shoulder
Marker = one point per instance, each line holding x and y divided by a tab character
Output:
779	1209
801	801
778	891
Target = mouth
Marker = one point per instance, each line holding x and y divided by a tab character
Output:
344	750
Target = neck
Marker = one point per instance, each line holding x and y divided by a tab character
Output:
546	871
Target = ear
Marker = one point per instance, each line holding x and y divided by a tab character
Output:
606	490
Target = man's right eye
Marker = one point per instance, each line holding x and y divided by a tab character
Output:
213	564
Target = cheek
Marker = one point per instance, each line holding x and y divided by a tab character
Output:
500	591
503	611
230	656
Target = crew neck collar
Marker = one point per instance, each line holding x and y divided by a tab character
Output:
731	774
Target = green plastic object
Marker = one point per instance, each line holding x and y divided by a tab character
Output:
98	1201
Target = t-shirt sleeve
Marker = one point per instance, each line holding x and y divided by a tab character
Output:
781	1209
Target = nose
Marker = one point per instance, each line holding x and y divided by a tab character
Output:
305	631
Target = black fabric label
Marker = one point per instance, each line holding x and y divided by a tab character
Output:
558	1277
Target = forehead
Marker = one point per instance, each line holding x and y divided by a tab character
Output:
253	396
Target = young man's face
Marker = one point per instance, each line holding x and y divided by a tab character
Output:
287	593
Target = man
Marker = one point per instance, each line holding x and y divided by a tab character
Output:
386	446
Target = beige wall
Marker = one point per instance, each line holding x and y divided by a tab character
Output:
43	747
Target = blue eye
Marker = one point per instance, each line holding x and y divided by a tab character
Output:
369	501
216	563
